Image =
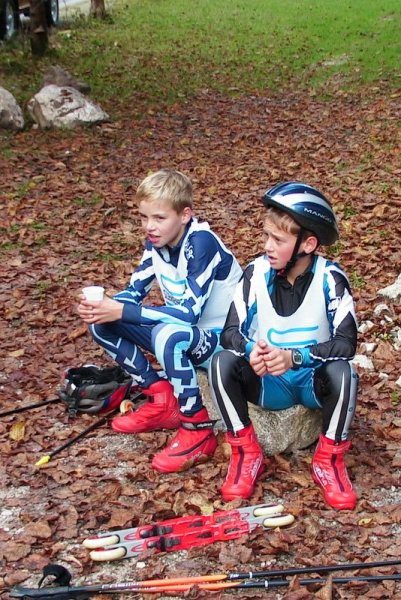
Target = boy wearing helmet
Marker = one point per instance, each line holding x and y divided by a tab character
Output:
196	274
290	335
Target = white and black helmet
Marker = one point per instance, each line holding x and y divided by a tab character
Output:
307	206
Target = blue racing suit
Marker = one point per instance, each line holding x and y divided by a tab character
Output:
315	315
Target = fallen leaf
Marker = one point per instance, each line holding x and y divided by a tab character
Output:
38	529
17	353
17	431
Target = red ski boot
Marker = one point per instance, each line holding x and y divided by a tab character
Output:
161	411
330	473
246	464
194	443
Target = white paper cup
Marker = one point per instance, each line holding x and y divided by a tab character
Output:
93	293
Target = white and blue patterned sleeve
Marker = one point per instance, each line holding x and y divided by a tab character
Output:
207	262
141	281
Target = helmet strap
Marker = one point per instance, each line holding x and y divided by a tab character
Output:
295	255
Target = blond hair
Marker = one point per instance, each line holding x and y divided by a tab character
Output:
285	222
166	185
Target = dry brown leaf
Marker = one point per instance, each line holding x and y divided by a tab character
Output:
384	351
366	522
120	517
78	332
38	529
17	353
17	431
326	592
300	479
14	551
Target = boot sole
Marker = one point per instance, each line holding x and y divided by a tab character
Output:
185	466
144	429
148	430
340	506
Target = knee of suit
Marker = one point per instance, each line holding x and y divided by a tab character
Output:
170	339
225	363
98	332
332	377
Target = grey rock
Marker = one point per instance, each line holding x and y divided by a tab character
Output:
364	362
56	75
393	291
382	308
396	337
279	430
11	116
55	106
365	326
368	347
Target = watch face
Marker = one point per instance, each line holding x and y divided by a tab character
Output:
297	358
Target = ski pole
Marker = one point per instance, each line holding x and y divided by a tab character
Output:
20	409
45	459
276	573
313	569
270	583
150	586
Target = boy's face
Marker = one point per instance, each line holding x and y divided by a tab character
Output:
279	245
162	224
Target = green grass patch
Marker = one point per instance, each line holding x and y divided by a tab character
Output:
109	256
41	287
7	152
41	242
8	247
356	280
36	225
92	201
167	50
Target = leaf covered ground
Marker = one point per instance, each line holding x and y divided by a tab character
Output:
68	219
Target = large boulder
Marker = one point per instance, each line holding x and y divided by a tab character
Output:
55	106
11	116
277	430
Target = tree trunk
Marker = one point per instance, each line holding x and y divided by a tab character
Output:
39	35
98	9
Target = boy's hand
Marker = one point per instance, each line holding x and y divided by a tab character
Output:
257	358
278	361
106	311
265	359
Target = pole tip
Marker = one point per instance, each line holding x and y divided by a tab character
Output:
42	461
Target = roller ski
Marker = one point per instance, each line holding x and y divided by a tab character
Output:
186	532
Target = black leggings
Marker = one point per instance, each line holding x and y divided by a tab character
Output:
234	383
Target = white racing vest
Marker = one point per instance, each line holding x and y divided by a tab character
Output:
173	280
307	326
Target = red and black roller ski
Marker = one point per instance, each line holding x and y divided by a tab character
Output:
186	532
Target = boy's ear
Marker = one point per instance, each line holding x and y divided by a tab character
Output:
186	214
310	244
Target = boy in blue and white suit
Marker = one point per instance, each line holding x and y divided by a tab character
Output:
197	276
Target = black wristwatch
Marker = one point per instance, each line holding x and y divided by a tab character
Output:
297	359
